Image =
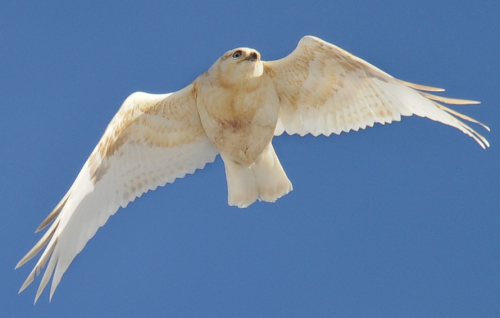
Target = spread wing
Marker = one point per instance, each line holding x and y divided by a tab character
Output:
152	140
324	89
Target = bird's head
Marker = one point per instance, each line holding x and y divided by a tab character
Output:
240	64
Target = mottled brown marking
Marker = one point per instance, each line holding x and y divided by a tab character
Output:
381	113
168	123
232	124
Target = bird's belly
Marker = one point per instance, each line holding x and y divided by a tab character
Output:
240	140
240	127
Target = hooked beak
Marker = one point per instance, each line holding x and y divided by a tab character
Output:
254	56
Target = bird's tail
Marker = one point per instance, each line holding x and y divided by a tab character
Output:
264	180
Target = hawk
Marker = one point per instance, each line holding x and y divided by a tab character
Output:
234	109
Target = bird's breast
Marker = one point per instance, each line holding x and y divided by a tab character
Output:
239	122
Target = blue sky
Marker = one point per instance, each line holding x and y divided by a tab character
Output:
400	220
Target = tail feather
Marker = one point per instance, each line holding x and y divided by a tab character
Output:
263	180
241	184
272	182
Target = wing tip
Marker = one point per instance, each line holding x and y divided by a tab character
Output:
52	215
450	101
28	281
44	240
422	87
481	140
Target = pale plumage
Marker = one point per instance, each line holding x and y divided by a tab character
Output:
235	109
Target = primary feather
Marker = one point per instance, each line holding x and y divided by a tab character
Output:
235	109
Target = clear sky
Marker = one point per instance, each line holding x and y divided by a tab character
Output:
400	220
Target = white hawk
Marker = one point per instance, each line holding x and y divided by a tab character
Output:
234	109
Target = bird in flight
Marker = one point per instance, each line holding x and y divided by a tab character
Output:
234	109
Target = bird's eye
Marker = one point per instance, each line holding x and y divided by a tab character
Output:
237	54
